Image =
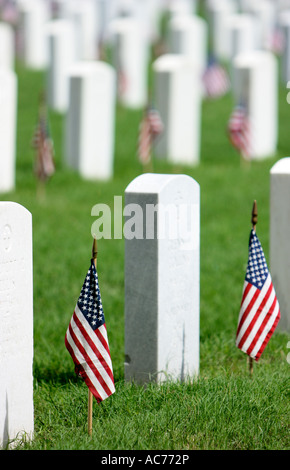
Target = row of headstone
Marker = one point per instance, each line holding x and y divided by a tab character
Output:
178	87
162	287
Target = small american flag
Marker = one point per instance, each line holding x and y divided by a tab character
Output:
43	144
260	312
239	131
86	339
150	128
215	80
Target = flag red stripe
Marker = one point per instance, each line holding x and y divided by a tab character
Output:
256	316
84	375
269	334
262	326
248	309
87	359
102	339
94	347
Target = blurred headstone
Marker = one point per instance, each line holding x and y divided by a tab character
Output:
8	124
84	19
284	23
61	55
177	97
255	87
243	35
33	15
217	14
90	120
188	36
7	46
130	59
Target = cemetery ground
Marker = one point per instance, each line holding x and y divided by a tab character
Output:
224	408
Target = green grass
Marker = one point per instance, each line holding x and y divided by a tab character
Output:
224	408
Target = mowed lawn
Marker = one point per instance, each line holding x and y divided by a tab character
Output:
224	408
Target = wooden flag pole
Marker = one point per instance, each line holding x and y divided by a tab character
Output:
90	396
254	223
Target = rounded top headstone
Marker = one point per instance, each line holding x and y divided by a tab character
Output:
85	68
155	182
282	166
253	58
171	62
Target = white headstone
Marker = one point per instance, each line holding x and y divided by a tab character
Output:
188	35
90	120
177	97
280	237
162	281
16	323
130	58
284	23
217	13
8	123
243	35
264	11
33	15
61	56
255	86
7	46
84	18
181	7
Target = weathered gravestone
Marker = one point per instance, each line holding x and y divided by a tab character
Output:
7	52
177	97
8	120
61	55
33	15
90	119
130	59
255	87
16	323
188	35
162	278
280	237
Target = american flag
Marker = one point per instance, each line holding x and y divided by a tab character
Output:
239	131
43	145
260	312
215	80
86	339
150	128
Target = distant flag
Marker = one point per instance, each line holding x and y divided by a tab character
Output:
9	12
215	79
239	131
43	145
277	41
87	341
260	312
150	128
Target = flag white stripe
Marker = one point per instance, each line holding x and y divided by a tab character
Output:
247	299
107	379
266	330
88	371
94	337
253	309
259	321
